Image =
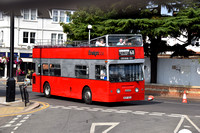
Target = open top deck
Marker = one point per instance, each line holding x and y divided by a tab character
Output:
110	40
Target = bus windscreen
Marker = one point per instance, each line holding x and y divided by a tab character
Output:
125	73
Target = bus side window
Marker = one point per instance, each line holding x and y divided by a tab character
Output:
45	68
55	70
81	71
100	72
39	68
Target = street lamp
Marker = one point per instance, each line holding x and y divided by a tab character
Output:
10	87
89	27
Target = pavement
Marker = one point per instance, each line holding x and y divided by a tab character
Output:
16	107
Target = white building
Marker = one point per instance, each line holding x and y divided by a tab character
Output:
32	27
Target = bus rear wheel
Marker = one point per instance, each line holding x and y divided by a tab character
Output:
47	90
87	95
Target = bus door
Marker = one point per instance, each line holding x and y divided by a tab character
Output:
36	79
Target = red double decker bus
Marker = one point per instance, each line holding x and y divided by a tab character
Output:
108	69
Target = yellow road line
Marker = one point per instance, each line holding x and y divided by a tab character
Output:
44	106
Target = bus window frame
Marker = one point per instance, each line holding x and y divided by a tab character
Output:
54	68
45	69
82	76
106	74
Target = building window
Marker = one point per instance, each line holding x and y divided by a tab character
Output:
60	16
32	37
60	38
55	16
56	39
1	36
1	15
53	39
29	37
55	70
30	14
33	14
25	37
81	71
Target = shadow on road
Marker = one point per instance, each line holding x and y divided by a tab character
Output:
113	104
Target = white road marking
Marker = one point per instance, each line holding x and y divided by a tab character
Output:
14	119
157	114
179	124
19	116
184	131
7	125
15	128
11	122
112	125
26	117
192	123
18	124
95	109
73	106
56	107
187	126
78	108
109	110
175	115
85	107
65	107
120	111
181	121
140	112
22	121
126	111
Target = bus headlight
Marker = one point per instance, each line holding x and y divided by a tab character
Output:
118	91
136	90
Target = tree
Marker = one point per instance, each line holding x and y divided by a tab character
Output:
186	24
149	23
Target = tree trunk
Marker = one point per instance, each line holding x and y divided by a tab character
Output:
155	48
154	61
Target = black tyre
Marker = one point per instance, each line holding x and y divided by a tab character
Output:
87	95
47	90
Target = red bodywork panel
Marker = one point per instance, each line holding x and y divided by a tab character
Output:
97	53
103	91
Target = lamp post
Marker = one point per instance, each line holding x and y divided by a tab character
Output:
89	27
10	87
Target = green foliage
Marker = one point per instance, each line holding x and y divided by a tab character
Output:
151	26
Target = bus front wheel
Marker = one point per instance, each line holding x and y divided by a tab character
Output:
87	95
47	90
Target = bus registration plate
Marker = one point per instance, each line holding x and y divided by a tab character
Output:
128	97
